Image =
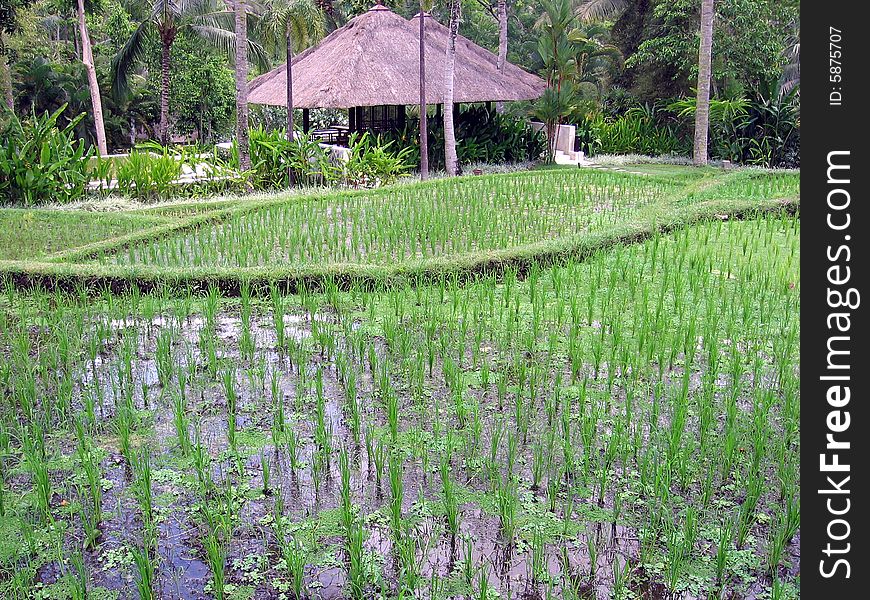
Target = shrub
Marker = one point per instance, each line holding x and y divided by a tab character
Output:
639	131
374	162
41	162
278	163
146	174
481	136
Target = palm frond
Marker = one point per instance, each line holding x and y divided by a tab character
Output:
225	41
126	58
600	10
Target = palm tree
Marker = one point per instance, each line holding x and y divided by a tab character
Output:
424	118
207	19
6	79
502	43
296	24
91	70
557	56
791	72
705	59
243	144
450	160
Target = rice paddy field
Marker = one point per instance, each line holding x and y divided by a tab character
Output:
625	425
447	218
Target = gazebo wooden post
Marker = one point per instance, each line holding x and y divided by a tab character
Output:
306	120
351	119
402	118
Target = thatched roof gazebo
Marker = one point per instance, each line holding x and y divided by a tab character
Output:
374	61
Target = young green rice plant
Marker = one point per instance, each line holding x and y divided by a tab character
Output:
34	453
145	572
89	518
537	561
723	549
123	424
346	502
353	406
451	502
397	494
78	578
291	441
216	556
229	384
279	418
409	570
291	548
164	358
142	491
295	558
392	402
592	549
322	425
265	467
483	586
379	458
201	464
467	568
746	513
621	578
540	460
277	314
356	571
181	420
507	502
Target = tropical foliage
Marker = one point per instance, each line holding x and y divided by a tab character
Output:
40	161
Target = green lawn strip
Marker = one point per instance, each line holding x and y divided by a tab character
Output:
37	233
118	278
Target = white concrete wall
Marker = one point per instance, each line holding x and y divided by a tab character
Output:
565	136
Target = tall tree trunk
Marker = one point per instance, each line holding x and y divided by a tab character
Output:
502	44
166	47
93	84
289	67
424	120
702	104
242	141
450	159
6	82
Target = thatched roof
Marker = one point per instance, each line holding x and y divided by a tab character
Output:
375	59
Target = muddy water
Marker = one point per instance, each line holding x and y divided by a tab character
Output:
182	572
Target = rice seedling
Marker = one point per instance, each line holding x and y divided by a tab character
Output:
265	469
143	493
145	582
723	549
78	577
216	557
397	494
229	384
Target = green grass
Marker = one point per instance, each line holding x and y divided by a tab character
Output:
35	233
